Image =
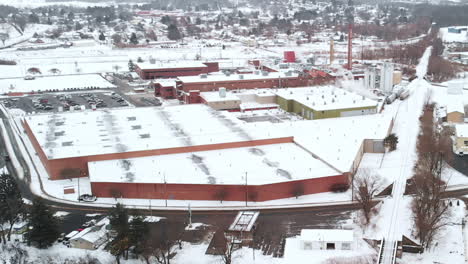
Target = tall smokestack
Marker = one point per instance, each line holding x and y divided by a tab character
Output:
332	50
350	46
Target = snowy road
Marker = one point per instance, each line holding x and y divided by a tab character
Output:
407	129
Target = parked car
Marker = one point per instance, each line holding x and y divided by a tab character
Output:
87	198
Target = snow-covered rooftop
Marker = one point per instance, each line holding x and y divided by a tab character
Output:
262	164
323	235
454	37
170	65
324	98
335	140
235	77
455	104
461	130
64	82
85	133
233	95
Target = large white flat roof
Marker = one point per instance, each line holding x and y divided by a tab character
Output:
335	140
83	81
243	94
322	98
262	164
86	133
170	65
235	77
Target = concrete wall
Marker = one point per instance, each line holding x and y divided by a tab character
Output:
210	191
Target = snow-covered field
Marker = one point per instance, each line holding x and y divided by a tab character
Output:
60	83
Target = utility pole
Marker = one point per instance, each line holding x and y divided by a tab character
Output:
246	190
165	188
79	186
190	215
151	211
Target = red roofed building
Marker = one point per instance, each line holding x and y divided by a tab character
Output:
148	71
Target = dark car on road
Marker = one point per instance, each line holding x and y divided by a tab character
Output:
87	198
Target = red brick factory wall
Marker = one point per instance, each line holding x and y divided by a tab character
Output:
176	72
245	84
211	191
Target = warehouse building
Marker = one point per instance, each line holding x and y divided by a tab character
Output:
324	102
155	70
240	100
258	79
194	152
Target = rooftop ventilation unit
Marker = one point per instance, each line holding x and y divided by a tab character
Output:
265	73
241	76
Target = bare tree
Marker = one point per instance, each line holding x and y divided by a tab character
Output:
430	210
365	187
163	242
221	194
297	190
224	247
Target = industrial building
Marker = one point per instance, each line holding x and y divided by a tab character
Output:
240	100
258	79
324	102
155	70
327	239
382	77
455	105
192	152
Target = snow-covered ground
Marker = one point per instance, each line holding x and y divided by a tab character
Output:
60	83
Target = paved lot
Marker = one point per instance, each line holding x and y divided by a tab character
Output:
55	101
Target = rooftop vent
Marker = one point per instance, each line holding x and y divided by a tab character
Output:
203	76
145	136
67	144
241	76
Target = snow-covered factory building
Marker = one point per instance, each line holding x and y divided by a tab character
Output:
193	152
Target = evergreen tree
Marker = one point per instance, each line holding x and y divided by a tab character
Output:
131	66
133	38
118	216
173	32
138	234
11	203
78	26
43	225
166	20
102	37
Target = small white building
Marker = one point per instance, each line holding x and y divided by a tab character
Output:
327	239
92	237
